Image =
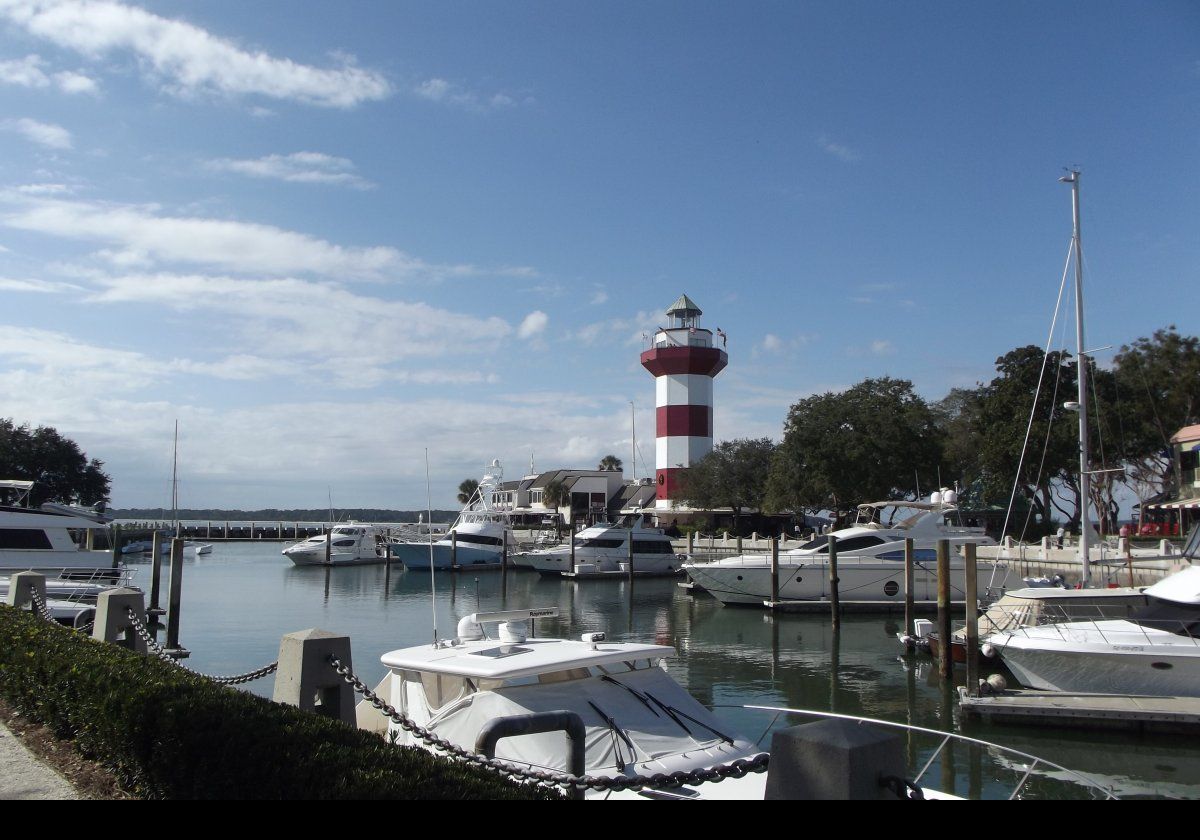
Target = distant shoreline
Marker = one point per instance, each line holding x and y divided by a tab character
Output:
289	515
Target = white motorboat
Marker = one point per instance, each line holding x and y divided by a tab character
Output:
603	550
477	539
637	719
51	539
870	557
1154	651
349	544
190	547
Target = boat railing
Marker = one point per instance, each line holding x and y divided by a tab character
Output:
1068	621
1024	764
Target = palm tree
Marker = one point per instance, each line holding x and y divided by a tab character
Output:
610	462
555	494
466	491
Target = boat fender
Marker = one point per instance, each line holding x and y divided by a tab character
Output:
996	684
989	651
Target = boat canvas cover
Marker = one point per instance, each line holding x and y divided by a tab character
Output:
649	728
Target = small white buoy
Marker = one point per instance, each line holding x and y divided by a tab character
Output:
988	650
997	683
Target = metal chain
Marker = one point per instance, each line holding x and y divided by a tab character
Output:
737	769
165	655
40	606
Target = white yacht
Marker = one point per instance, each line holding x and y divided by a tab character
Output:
350	544
638	720
1154	651
477	539
51	539
870	558
603	550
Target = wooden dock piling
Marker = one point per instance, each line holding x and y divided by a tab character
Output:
945	663
910	619
835	605
972	611
175	596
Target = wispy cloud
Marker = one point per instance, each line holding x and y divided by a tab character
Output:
27	72
297	168
839	150
141	237
44	134
451	93
11	284
187	59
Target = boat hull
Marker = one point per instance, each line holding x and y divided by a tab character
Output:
602	564
871	580
416	556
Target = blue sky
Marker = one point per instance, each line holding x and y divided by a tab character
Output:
328	237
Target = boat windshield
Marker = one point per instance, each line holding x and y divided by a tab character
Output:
1170	617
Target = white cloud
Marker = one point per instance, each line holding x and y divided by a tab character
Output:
28	72
882	347
188	59
44	134
450	93
533	325
43	189
298	167
10	284
772	343
838	150
599	296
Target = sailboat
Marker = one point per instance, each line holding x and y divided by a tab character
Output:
147	546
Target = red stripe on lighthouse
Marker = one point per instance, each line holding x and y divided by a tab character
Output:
683	421
664	361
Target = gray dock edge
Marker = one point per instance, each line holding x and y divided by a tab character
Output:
1142	714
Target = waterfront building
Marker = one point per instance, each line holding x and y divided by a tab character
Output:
1180	509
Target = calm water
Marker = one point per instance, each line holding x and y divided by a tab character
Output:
240	599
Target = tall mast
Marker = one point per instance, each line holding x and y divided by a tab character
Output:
175	480
1085	476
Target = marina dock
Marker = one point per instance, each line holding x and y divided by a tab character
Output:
1129	713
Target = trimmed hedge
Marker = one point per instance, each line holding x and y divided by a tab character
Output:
167	734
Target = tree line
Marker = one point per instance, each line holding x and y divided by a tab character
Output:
880	440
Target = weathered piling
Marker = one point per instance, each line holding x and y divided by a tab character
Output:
835	603
572	539
454	549
156	546
972	611
328	544
910	608
175	595
629	556
945	664
774	571
116	545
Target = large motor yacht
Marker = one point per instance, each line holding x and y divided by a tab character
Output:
603	550
52	538
870	557
477	539
350	544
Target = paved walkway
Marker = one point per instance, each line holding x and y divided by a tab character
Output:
24	776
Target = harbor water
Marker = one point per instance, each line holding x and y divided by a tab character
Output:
240	599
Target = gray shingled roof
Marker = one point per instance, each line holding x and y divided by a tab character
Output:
684	306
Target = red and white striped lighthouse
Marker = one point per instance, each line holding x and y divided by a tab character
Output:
684	362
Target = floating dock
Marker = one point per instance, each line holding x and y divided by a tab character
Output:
1143	714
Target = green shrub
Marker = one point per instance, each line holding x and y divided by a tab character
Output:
167	734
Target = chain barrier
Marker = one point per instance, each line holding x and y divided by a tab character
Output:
165	655
902	788
668	781
40	606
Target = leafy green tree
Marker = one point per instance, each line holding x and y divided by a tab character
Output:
61	471
1158	389
868	443
733	475
467	490
610	462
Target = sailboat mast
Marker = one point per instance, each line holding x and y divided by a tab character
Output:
1085	476
175	481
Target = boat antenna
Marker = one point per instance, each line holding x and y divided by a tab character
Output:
432	578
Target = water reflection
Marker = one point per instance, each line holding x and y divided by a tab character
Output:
239	600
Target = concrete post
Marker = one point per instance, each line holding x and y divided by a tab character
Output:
112	618
306	680
22	585
833	759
